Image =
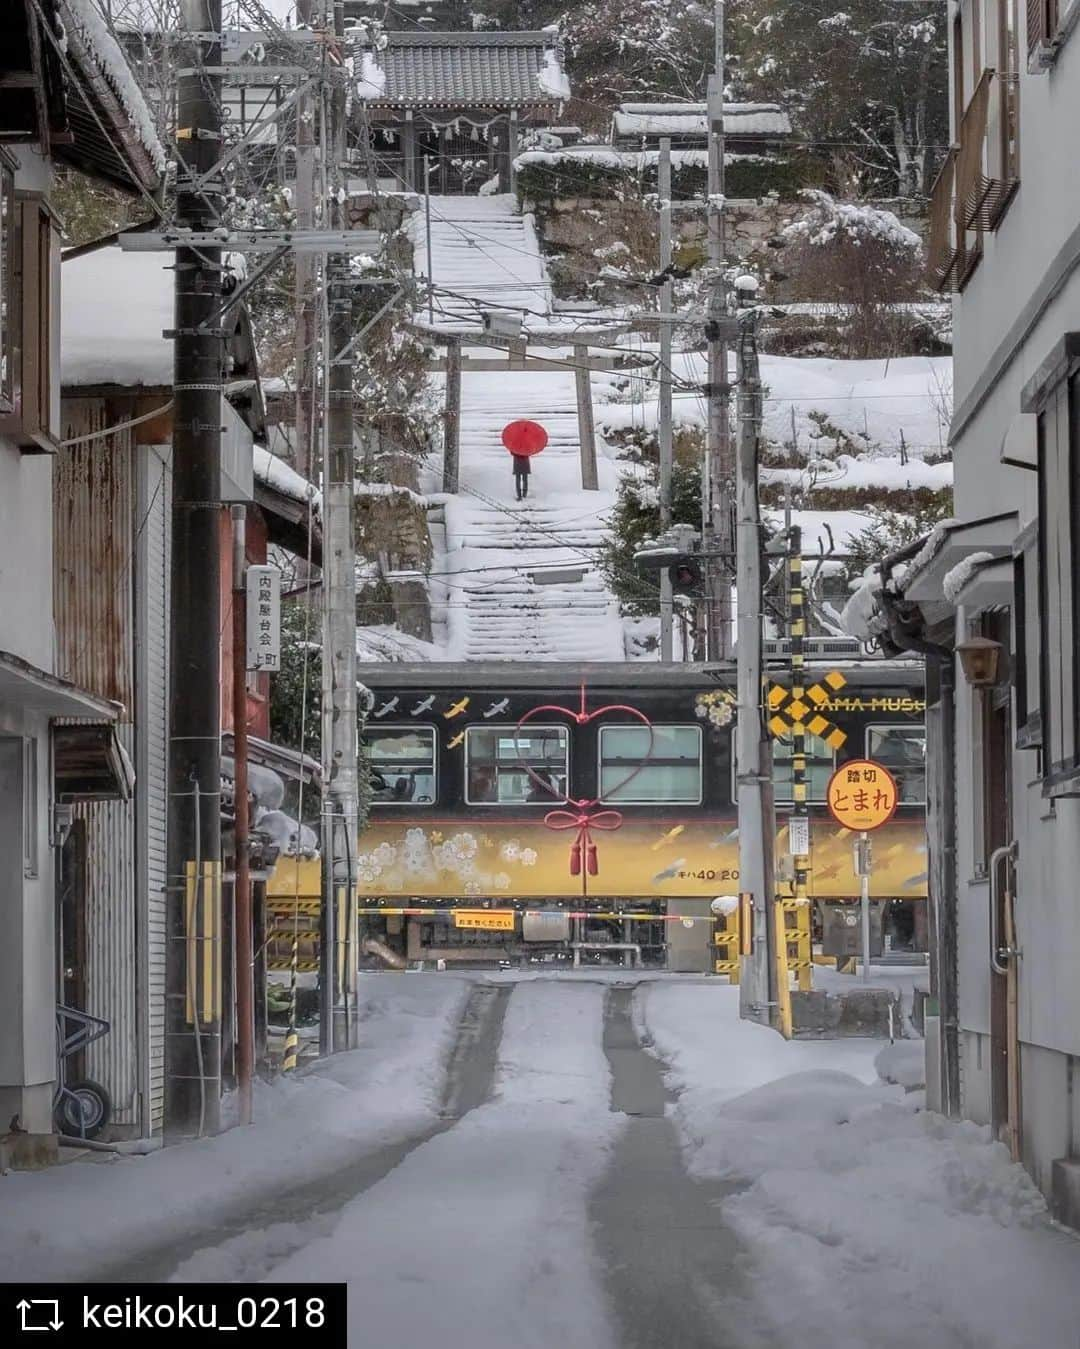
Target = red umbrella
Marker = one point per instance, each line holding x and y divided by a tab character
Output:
524	437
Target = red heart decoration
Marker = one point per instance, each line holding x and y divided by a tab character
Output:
582	718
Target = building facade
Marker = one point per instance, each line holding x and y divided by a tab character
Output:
993	597
65	96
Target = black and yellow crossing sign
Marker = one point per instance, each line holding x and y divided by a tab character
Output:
800	709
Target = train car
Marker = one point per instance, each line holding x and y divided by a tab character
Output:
560	811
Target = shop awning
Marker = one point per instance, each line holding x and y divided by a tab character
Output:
949	545
90	764
24	686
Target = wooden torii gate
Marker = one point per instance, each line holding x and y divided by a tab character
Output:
517	357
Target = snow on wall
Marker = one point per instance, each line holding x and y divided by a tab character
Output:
106	52
106	342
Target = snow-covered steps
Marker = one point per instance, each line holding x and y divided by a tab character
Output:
484	255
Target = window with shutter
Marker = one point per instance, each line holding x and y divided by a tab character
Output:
31	419
1043	25
1059	594
1026	653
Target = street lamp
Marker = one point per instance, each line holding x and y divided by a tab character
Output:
980	658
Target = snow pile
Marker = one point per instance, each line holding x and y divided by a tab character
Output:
861	617
552	79
957	577
884	1225
849	472
903	1064
829	220
107	56
65	1223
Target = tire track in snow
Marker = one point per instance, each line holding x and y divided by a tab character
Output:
256	1234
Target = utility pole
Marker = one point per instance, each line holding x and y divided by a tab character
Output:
427	240
193	960
718	468
340	943
666	303
753	759
242	916
305	269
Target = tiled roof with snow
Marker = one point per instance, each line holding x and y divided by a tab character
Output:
691	119
470	69
98	54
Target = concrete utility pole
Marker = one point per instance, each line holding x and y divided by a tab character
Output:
718	475
305	265
193	960
753	759
664	435
590	482
340	936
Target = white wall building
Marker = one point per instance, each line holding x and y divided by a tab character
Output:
1005	827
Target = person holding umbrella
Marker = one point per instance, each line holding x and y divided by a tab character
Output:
523	439
521	475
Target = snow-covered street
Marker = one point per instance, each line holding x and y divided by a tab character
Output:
584	1161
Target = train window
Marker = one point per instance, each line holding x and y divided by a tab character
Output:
402	762
505	766
820	763
668	764
902	749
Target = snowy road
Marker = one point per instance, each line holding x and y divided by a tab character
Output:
584	1162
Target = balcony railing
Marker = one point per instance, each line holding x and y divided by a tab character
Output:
941	244
987	167
976	181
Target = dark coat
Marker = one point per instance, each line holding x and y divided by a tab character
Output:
521	465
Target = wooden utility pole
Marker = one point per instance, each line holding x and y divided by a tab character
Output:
242	916
664	428
753	758
452	420
340	936
193	959
590	481
719	463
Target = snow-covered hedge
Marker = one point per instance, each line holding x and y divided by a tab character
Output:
543	176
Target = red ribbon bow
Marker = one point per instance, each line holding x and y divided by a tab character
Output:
584	822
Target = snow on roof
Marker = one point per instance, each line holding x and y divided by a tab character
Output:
957	577
489	69
274	472
691	119
632	161
114	307
107	56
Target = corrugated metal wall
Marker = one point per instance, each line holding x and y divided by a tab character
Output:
94	505
154	506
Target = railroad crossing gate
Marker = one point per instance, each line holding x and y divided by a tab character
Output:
795	709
